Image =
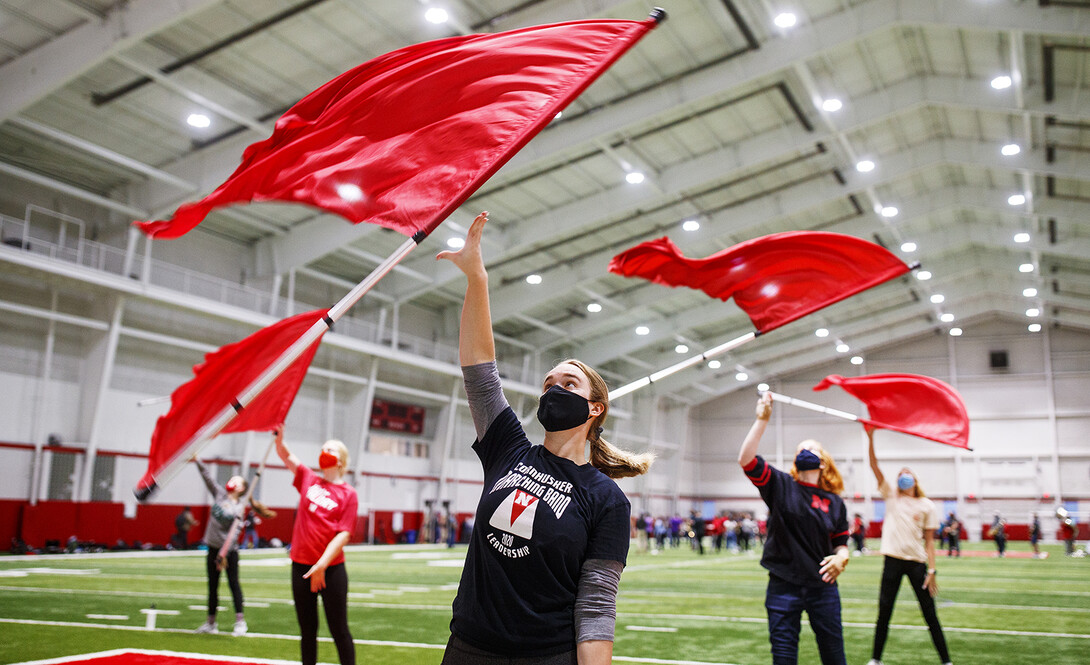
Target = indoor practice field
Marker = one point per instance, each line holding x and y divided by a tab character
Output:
674	607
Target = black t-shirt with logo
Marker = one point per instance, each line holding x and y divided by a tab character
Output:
539	518
805	524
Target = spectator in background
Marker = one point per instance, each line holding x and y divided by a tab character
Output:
747	532
1035	536
660	532
699	530
1067	533
953	535
859	533
998	533
675	530
182	524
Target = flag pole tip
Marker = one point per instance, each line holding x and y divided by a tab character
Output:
914	265
144	493
659	14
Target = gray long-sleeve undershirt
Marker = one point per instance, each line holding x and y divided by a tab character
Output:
596	595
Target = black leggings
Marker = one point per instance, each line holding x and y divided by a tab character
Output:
335	602
214	580
892	572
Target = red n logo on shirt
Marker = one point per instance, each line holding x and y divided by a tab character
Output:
819	503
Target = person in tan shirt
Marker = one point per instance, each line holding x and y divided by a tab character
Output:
908	545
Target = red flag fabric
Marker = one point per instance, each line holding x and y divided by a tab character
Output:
404	139
909	403
776	278
224	374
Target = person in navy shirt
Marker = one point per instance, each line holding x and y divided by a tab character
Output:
539	585
806	547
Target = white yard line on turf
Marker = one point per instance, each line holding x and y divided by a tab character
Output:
263	602
152	554
848	624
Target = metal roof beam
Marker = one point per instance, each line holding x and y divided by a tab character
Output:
42	70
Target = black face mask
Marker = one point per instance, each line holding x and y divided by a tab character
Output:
560	409
807	460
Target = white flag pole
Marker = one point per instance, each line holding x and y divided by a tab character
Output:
776	397
688	362
289	356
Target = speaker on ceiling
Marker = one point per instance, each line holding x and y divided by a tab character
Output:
999	361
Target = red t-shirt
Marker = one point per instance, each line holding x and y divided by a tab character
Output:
325	509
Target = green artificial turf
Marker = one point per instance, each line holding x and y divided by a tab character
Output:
674	606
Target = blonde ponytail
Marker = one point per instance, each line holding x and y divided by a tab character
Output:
604	456
614	462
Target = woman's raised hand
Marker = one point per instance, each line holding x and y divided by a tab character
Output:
468	258
764	407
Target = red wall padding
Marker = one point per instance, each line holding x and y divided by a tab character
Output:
105	523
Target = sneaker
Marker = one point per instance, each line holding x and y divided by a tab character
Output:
208	627
240	628
876	662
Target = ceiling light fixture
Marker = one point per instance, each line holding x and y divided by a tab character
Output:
1034	327
634	177
1001	82
946	317
785	20
832	105
1029	292
841	347
436	15
763	387
690	225
533	279
890	211
822	332
456	243
1021	237
198	120
864	166
1016	199
923	275
594	307
857	360
956	332
558	114
1025	267
681	348
1011	149
907	247
714	364
1033	312
938	299
643	330
741	376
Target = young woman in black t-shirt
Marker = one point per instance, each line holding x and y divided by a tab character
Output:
539	585
806	547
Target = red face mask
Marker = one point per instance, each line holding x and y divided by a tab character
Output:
328	460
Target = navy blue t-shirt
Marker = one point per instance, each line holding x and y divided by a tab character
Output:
805	524
539	518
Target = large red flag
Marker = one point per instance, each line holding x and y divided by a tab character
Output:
406	138
909	403
223	375
776	278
